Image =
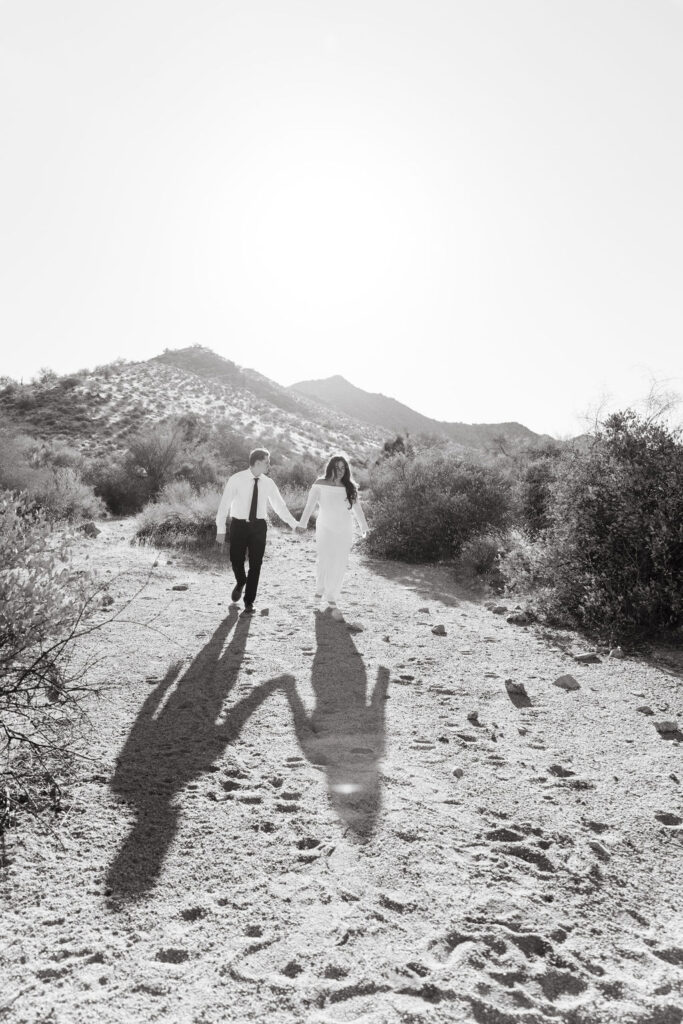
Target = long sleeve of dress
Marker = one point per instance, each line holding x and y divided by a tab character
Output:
360	515
224	507
278	503
311	502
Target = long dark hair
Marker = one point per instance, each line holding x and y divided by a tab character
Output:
351	487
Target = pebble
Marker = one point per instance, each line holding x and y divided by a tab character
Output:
645	709
587	659
439	630
458	773
499	609
180	586
567	683
617	652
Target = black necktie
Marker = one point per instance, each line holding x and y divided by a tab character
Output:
254	502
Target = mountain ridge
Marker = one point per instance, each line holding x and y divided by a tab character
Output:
381	410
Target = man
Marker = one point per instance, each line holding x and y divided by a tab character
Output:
245	499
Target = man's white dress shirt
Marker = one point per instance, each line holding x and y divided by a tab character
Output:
237	497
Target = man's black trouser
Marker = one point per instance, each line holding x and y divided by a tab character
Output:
247	540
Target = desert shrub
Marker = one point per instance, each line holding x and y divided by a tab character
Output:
294	498
25	400
524	566
199	470
154	453
300	474
65	496
180	517
69	382
426	507
49	475
479	555
614	549
535	494
231	448
122	489
42	604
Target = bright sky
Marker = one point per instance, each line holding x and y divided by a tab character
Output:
474	206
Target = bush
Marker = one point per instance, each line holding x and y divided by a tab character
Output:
535	494
524	566
614	550
426	507
124	491
154	454
181	517
480	555
41	606
49	475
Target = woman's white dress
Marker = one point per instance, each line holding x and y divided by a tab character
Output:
333	534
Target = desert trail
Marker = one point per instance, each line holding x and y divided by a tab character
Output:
289	818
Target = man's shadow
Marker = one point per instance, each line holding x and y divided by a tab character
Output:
175	739
345	732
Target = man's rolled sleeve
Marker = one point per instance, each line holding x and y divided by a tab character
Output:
224	507
277	501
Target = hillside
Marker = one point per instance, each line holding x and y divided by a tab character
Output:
98	410
339	394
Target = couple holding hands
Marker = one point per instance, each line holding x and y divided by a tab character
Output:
245	499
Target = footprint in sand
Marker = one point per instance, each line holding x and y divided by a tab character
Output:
288	801
309	849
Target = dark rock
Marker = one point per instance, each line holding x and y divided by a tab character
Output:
512	687
587	659
439	630
499	609
520	619
90	530
567	683
666	725
645	709
180	586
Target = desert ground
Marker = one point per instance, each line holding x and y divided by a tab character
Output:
292	817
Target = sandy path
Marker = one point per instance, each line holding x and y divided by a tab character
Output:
272	830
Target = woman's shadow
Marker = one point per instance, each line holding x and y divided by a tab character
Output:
176	737
345	732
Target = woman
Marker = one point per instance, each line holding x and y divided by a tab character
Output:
337	496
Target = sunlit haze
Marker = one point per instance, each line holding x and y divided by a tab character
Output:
475	208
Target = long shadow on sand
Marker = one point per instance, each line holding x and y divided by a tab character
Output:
345	732
175	739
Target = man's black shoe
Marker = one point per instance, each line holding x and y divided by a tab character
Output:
248	609
237	591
